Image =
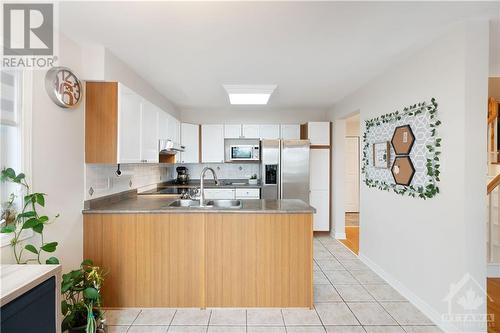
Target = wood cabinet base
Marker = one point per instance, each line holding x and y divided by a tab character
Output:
203	260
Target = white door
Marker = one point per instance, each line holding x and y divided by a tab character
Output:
190	139
212	143
149	133
129	130
320	199
319	133
232	131
269	132
250	131
290	132
352	174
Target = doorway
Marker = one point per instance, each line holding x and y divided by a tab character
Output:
352	161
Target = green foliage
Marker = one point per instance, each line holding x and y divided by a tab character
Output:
433	151
82	299
28	218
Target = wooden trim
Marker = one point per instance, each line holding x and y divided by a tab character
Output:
304	135
320	146
101	122
493	184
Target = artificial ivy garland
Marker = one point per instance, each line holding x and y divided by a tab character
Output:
433	151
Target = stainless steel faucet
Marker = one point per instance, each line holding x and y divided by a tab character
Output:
202	184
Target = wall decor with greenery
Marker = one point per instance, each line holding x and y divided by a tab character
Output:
423	120
27	218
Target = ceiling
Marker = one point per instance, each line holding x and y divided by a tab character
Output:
316	52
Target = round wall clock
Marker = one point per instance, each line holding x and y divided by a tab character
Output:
63	87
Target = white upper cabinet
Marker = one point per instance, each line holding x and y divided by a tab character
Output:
129	133
232	131
319	132
250	131
269	132
174	129
162	125
190	139
290	132
149	132
212	143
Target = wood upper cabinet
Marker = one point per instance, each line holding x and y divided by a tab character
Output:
212	143
123	127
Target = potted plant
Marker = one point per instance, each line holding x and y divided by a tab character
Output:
253	179
82	299
29	218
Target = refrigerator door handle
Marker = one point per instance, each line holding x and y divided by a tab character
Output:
281	168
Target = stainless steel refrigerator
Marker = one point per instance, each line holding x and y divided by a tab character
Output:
285	169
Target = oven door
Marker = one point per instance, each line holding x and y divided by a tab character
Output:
241	153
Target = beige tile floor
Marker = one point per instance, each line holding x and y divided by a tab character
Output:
348	297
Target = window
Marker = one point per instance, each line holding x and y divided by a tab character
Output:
15	131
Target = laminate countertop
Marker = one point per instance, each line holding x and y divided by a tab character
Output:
158	204
18	279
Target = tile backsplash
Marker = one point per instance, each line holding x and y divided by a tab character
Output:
224	170
101	179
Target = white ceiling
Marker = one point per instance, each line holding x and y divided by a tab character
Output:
316	52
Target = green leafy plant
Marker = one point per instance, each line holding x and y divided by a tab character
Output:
254	176
82	299
28	218
433	151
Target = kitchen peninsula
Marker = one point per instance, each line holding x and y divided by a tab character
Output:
161	254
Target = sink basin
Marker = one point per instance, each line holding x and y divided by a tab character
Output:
224	203
185	203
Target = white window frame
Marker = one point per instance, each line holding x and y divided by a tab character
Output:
25	94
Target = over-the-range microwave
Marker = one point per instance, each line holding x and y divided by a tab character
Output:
244	152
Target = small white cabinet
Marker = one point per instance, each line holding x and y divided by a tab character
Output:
190	139
319	133
290	132
250	131
149	132
232	131
222	193
269	132
129	118
247	193
212	143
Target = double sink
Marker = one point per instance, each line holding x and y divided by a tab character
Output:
213	204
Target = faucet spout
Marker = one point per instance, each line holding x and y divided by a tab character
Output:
202	183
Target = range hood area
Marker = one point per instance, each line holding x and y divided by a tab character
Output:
168	147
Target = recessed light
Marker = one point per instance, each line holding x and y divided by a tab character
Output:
249	94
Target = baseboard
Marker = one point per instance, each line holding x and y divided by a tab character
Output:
340	235
408	294
493	271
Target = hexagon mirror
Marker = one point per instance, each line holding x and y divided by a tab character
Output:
403	140
403	170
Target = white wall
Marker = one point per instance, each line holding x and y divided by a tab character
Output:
422	246
253	115
116	70
57	163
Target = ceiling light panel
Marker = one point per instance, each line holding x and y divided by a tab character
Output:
249	94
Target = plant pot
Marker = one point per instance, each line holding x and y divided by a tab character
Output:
252	181
79	329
